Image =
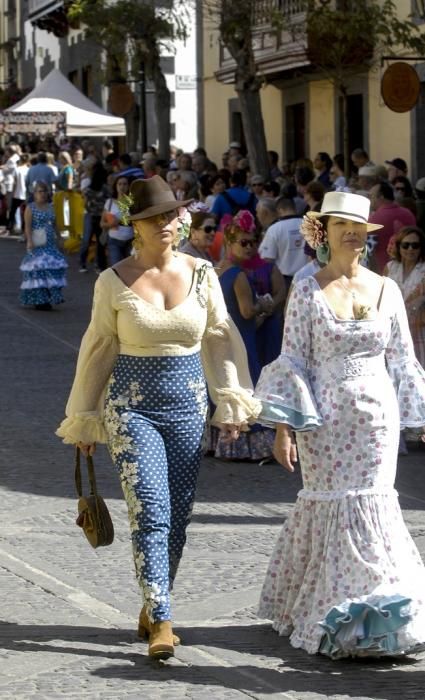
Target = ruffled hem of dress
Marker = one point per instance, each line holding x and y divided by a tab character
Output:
43	260
43	295
235	407
286	396
409	382
371	626
85	427
44	283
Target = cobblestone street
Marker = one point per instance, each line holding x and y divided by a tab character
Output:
69	612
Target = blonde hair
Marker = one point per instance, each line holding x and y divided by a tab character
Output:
64	156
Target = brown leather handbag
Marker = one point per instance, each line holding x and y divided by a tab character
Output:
93	514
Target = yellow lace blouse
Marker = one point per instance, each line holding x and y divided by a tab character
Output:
124	323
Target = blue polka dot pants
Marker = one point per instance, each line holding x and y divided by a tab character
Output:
155	413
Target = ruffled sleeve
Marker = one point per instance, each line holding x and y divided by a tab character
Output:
405	371
98	351
284	387
225	362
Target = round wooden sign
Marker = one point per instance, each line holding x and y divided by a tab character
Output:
121	99
400	87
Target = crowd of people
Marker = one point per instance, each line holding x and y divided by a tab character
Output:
283	308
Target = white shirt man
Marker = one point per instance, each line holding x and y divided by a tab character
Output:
283	242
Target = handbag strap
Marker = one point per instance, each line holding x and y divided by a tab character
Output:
90	471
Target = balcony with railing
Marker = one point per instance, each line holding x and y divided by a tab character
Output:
279	39
49	15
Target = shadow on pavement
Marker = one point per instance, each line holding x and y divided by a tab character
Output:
291	669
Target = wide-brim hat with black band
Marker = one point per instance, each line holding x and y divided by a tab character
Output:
345	205
151	197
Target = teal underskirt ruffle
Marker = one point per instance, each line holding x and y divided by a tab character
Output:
272	413
359	627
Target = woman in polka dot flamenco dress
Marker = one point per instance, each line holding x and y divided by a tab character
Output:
345	578
43	266
159	327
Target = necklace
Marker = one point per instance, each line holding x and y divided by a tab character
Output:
349	290
361	311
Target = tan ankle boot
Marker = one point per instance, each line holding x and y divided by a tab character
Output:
144	627
161	640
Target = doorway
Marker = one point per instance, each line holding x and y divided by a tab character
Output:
295	132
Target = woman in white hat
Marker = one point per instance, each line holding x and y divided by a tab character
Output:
153	313
345	577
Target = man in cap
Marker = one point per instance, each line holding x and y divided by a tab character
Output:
366	179
235	148
397	166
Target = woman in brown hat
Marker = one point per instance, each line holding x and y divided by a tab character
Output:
159	323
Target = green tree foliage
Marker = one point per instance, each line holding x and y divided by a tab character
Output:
349	37
132	33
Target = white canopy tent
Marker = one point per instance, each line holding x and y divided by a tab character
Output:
83	117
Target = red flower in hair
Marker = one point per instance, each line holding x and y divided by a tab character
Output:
245	221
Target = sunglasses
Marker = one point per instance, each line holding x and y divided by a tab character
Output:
406	245
400	189
209	229
245	242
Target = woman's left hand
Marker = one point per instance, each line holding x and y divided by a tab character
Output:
229	432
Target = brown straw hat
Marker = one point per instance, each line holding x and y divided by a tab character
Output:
152	197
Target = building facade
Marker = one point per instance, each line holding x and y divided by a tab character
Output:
301	110
36	37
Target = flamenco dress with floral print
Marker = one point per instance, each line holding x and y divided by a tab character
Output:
345	578
44	267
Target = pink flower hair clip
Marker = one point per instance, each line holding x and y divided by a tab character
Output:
313	231
245	221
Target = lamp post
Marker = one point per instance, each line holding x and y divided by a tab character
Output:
142	109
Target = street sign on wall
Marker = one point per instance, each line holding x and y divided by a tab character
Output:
400	87
185	82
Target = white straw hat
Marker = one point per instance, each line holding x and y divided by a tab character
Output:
345	205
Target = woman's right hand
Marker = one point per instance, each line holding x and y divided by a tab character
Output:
88	449
284	448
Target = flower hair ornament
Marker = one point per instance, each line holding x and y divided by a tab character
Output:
125	202
315	235
313	231
183	227
245	221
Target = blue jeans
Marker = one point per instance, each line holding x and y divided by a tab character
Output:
118	250
155	412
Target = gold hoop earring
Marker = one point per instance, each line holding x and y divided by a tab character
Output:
137	244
